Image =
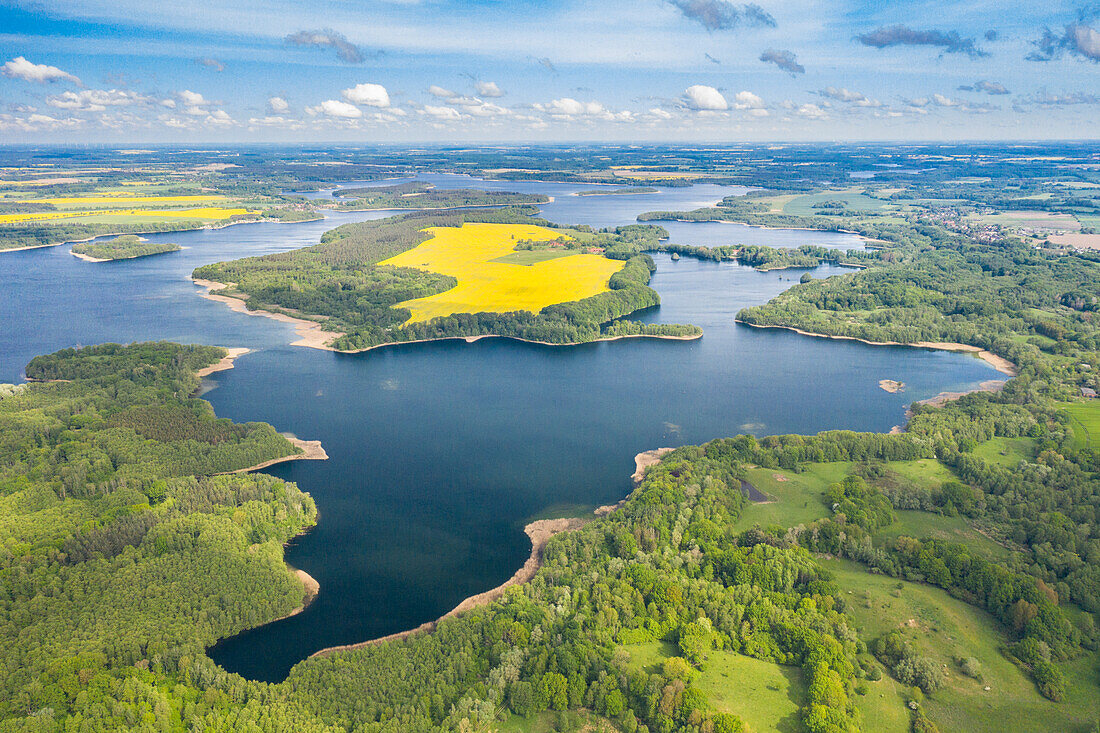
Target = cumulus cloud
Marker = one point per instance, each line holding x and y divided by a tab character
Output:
923	104
94	100
1078	39
569	107
902	35
335	108
784	60
489	89
278	105
848	96
989	87
20	68
36	122
440	92
371	95
211	63
704	98
811	112
442	113
718	15
346	51
747	100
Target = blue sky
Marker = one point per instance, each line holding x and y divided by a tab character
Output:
558	70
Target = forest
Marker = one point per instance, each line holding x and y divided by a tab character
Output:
125	247
420	195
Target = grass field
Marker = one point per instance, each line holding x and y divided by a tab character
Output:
1007	452
764	695
578	721
944	628
914	523
797	496
1084	421
468	253
854	200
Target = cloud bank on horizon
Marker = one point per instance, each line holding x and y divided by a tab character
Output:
661	70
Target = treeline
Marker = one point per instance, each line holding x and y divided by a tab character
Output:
420	195
776	258
125	247
13	236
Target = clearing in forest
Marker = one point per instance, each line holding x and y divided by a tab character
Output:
471	253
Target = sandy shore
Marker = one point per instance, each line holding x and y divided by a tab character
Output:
891	386
644	460
999	363
87	258
990	385
309	333
473	339
225	363
311	586
540	533
312	450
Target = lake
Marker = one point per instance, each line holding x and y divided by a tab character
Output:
441	452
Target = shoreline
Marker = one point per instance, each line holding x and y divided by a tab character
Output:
765	226
88	258
309	585
309	332
225	363
1001	364
311	335
312	450
539	532
549	200
157	231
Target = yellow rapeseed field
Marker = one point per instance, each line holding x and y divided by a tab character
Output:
203	213
127	199
466	253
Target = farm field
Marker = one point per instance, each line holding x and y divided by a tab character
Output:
471	253
126	215
944	628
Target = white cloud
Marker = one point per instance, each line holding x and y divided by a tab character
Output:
569	107
220	118
747	100
192	99
489	89
701	97
442	113
440	93
94	100
812	112
278	105
20	68
194	103
660	113
335	108
371	95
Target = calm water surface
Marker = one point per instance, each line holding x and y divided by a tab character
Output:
441	452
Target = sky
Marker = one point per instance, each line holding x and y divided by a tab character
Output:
484	71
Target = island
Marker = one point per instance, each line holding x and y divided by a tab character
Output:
420	195
484	272
126	247
621	191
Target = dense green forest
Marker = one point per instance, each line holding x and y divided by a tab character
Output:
420	195
125	247
340	281
114	583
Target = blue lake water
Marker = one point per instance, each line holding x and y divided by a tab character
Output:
441	452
